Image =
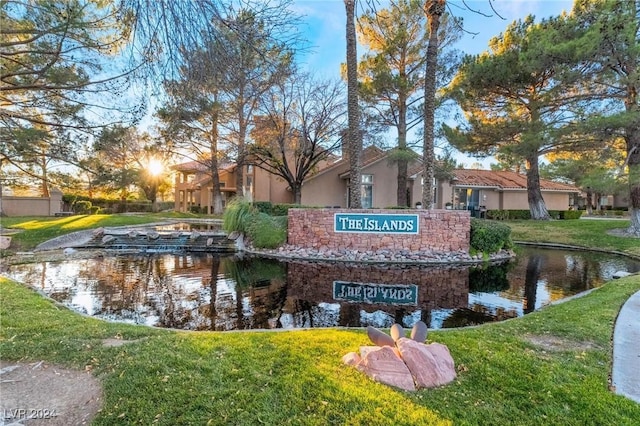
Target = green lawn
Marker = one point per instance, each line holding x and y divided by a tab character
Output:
550	367
37	229
585	233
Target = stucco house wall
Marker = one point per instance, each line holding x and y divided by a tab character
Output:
467	190
326	188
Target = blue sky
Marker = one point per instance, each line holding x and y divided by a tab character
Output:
325	25
325	28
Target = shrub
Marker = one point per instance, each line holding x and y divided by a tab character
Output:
264	206
82	207
498	214
571	214
489	237
266	231
237	215
519	214
283	209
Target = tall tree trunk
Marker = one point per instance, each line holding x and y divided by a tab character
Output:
403	162
297	194
239	173
433	9
354	136
632	135
44	188
215	177
537	206
633	156
589	201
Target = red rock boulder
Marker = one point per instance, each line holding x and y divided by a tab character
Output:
430	365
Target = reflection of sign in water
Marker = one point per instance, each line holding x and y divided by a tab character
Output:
376	223
397	294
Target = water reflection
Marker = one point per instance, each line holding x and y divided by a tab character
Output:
213	292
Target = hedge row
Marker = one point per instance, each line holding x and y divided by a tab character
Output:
526	214
86	205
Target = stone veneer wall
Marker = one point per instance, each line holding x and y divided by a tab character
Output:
440	231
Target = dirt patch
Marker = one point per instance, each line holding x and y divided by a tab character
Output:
114	343
45	394
622	232
557	344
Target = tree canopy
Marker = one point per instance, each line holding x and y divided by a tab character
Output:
301	125
392	72
521	99
54	78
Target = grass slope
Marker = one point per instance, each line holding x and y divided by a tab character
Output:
550	367
169	377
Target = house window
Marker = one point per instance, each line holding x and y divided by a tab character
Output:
367	191
250	168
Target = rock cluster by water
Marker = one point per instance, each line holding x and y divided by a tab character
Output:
382	256
405	363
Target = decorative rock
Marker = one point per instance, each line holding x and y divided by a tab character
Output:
379	338
621	274
209	242
194	235
107	239
234	235
396	332
5	242
430	367
419	332
132	234
68	251
384	366
351	358
153	235
98	232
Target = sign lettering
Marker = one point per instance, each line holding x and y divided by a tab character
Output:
389	294
376	223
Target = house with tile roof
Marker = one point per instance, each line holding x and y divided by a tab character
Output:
474	190
479	190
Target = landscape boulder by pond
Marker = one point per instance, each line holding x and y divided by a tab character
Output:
405	363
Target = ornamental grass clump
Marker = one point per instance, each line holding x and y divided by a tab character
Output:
237	216
266	231
263	230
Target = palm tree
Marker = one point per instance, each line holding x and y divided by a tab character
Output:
433	9
354	136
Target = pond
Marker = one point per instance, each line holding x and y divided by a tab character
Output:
200	291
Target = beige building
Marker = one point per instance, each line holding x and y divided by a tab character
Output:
194	186
479	190
474	190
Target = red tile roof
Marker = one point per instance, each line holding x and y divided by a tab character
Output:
504	180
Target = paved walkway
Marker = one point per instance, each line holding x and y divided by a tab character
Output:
625	376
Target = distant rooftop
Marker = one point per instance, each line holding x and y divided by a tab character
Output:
504	180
